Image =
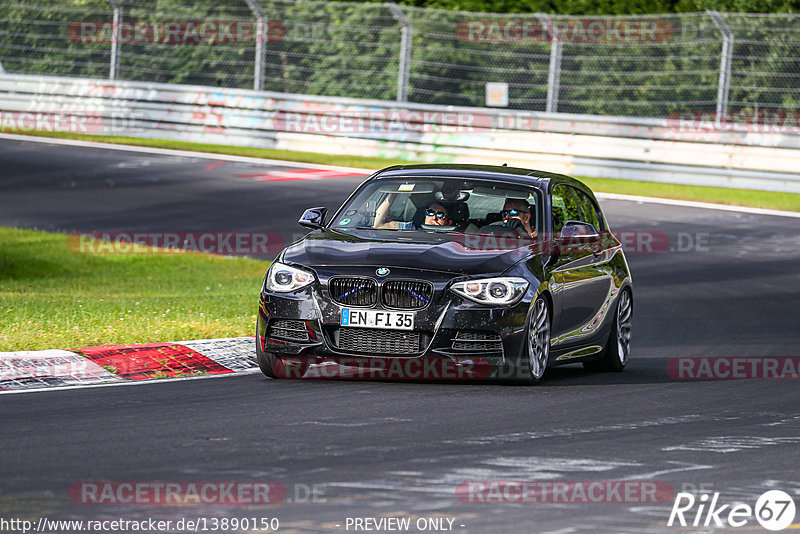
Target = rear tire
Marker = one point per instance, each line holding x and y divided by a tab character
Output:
618	348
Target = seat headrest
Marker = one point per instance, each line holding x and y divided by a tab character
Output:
492	217
459	211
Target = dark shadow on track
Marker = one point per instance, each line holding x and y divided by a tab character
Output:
638	372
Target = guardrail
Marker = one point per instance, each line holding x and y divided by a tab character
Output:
662	150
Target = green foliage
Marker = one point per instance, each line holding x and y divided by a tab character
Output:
608	7
352	49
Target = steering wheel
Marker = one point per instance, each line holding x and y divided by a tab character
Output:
514	224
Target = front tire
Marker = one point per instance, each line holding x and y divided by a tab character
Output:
618	348
533	362
275	366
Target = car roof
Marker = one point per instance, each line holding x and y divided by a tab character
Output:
515	175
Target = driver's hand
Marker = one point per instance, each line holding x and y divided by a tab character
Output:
514	224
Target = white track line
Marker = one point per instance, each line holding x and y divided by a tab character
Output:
244	159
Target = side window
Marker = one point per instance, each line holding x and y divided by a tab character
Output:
589	211
565	207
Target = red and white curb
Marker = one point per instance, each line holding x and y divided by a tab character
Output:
116	364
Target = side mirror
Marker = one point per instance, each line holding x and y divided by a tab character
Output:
578	236
313	218
580	229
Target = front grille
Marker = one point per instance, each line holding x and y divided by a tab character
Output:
407	295
288	330
373	341
353	291
474	340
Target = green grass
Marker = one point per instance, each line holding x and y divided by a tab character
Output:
719	195
51	297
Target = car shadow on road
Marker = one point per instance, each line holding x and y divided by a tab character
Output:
638	371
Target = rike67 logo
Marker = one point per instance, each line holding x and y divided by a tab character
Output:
774	510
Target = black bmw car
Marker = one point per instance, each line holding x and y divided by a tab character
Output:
450	271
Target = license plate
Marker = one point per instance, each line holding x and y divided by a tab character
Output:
378	319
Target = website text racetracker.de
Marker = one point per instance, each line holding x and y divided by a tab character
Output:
150	525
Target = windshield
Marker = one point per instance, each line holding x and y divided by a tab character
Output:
442	204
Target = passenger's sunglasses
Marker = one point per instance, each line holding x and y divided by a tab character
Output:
511	213
439	214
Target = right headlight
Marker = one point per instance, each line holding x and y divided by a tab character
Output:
500	291
282	278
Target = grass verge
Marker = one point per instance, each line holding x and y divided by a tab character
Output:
719	195
51	297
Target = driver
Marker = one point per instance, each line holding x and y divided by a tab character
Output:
437	215
516	208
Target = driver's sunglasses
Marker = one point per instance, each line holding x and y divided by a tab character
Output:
439	214
511	213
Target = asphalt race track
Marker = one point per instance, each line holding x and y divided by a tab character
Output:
730	288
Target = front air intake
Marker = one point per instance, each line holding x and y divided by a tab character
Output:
353	291
407	295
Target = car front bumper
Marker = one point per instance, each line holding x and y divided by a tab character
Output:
441	326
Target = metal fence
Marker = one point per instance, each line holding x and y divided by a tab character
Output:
642	66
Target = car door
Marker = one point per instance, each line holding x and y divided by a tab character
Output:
581	273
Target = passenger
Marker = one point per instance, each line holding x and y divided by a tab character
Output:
435	215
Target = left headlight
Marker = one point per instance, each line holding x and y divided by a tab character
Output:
283	278
497	291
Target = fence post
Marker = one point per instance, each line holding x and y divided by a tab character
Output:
554	74
2	70
113	69
723	89
405	51
261	44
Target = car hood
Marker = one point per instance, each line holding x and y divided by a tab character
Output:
446	252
